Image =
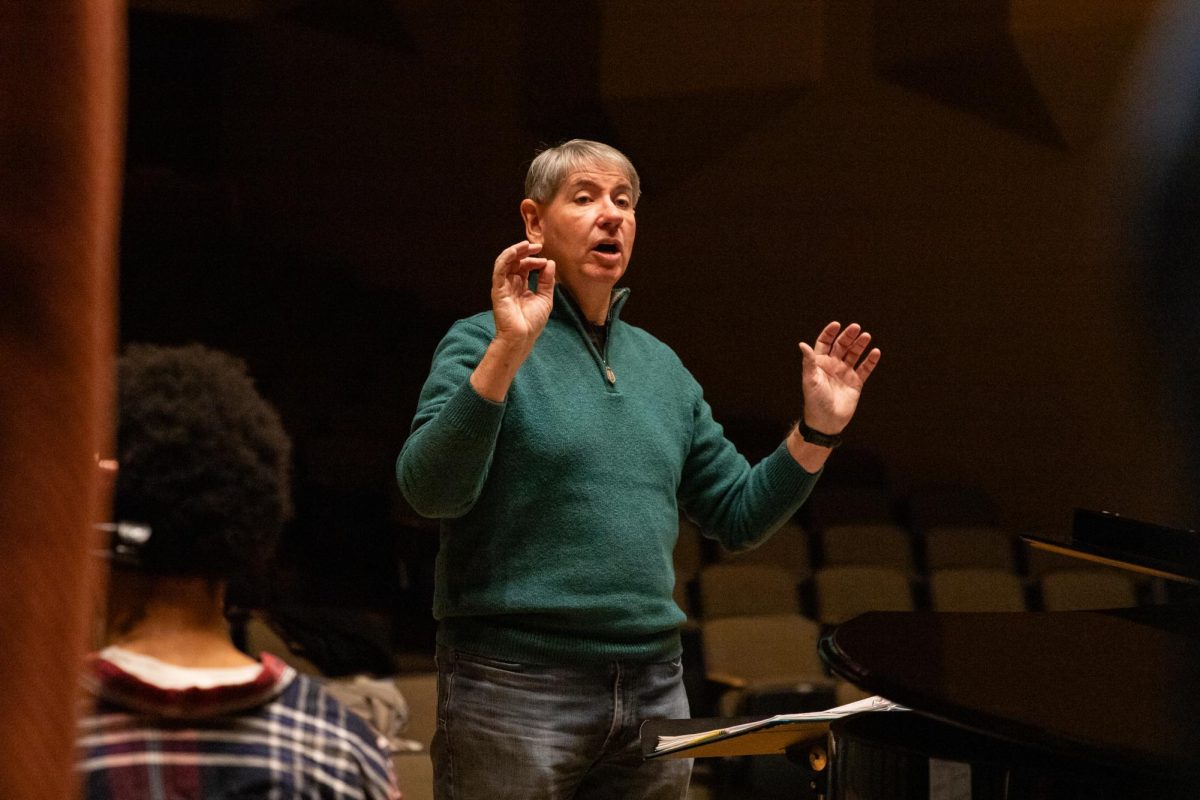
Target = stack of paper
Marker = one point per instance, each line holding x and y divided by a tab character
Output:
789	729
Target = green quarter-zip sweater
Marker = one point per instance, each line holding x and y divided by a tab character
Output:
559	506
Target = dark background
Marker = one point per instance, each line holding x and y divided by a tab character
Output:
320	187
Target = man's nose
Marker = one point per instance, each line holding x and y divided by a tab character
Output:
610	214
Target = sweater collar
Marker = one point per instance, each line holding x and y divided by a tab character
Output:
566	308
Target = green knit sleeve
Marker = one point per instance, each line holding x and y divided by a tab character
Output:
444	463
731	501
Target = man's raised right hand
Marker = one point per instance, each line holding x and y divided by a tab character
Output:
521	314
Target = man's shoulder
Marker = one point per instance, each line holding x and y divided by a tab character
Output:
484	319
472	333
641	333
647	341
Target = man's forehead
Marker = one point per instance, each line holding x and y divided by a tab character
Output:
597	174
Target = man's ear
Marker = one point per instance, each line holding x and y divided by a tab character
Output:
533	220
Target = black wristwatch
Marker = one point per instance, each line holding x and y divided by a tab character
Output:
818	438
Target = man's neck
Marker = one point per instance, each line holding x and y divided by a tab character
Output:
592	301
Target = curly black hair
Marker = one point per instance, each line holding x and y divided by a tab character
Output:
203	460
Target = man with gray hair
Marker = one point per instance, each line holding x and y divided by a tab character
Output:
557	443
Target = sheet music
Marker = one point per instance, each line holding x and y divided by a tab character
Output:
875	703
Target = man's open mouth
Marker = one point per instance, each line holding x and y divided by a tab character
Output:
607	247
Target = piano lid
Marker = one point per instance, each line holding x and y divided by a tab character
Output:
1098	688
1116	541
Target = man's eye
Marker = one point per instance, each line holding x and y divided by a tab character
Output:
623	202
582	198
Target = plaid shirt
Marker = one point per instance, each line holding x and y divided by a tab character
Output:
279	736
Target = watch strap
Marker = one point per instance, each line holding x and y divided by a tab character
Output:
816	437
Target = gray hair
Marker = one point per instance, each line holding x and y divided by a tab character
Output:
552	166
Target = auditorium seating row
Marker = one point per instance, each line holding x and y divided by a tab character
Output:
849	569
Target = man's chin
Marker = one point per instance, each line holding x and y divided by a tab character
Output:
608	273
591	275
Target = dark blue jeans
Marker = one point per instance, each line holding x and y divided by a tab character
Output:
530	732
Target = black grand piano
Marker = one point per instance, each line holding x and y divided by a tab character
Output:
1081	704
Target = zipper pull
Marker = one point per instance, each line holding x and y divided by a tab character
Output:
612	376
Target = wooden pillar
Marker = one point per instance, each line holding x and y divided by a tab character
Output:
61	106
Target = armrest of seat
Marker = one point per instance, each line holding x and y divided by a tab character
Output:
725	681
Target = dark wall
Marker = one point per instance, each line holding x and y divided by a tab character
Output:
321	187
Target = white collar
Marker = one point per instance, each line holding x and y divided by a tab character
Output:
170	676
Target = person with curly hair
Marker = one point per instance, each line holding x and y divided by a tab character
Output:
202	494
